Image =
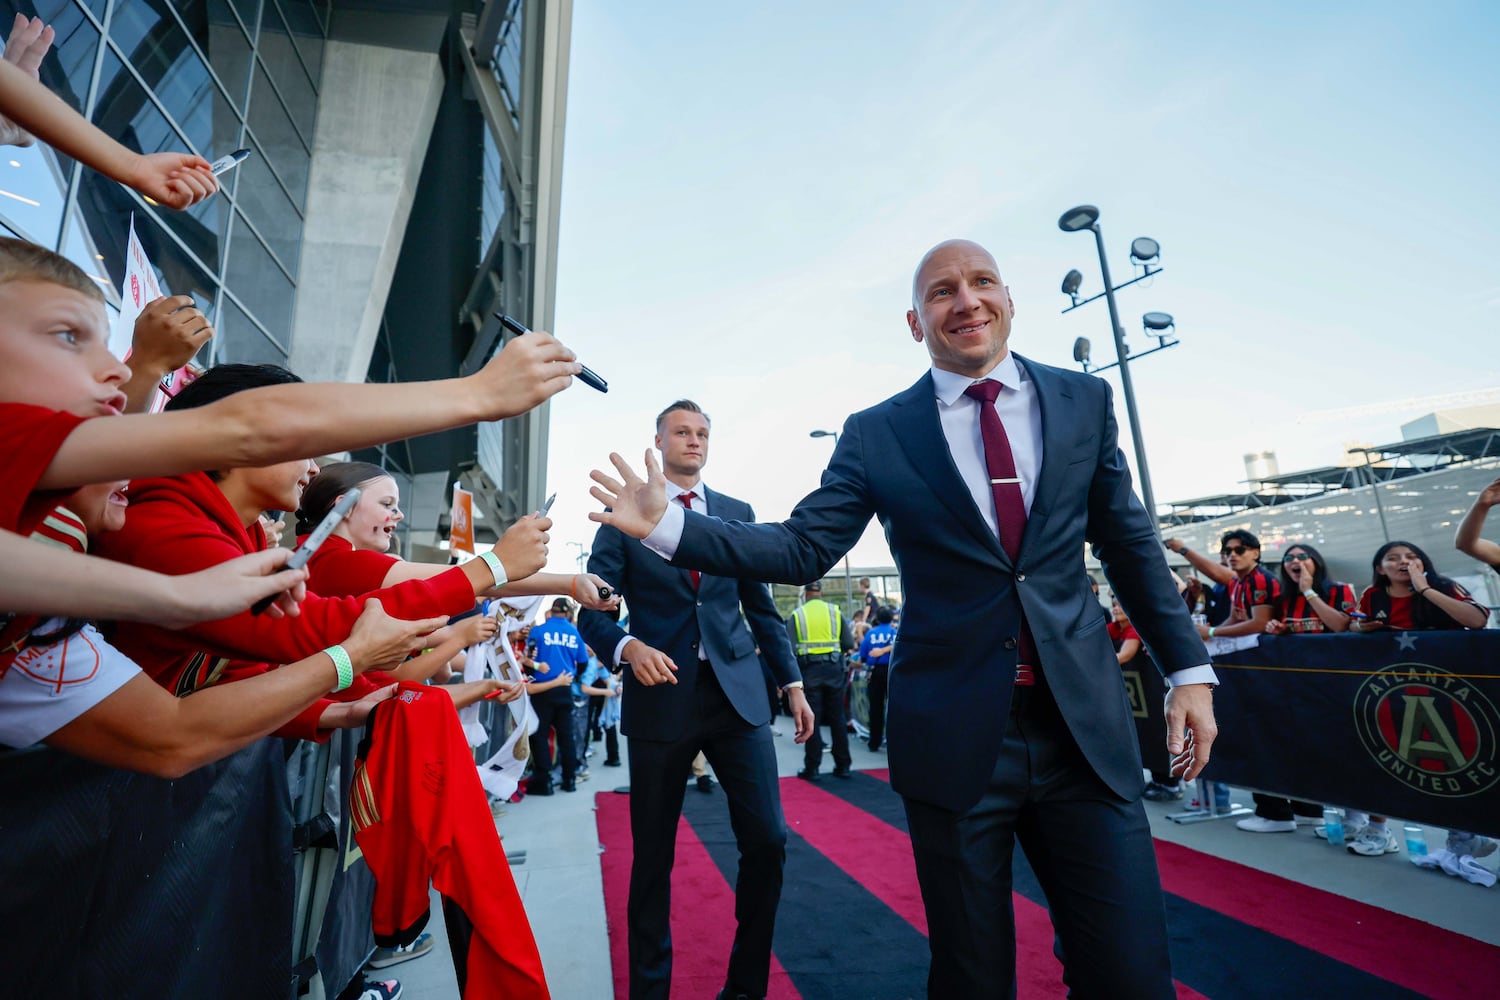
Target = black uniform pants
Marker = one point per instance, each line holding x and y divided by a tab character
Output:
823	683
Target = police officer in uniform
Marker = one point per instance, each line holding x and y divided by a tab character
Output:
820	637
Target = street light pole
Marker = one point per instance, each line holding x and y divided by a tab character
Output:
1087	217
848	579
1125	383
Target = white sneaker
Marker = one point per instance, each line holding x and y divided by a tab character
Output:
1259	824
1374	843
1472	844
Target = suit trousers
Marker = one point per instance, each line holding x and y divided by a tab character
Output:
1090	849
823	683
744	760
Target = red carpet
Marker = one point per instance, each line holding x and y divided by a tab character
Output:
851	921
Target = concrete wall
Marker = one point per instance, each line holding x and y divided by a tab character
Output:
375	121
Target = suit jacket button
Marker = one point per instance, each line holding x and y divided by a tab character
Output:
1020	577
1010	643
695	643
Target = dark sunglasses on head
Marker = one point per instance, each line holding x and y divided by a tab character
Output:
1233	550
1296	557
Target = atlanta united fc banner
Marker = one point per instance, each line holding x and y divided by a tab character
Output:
1402	724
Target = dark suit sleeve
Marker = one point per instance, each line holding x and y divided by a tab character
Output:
770	634
825	524
607	561
1127	548
846	634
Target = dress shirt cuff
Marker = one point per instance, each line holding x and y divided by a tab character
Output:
667	534
620	649
1193	675
791	684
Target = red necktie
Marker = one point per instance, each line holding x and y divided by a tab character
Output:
687	502
1005	488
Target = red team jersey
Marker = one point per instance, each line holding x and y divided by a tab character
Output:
1253	590
420	814
1293	610
338	569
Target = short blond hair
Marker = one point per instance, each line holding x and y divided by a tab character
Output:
22	261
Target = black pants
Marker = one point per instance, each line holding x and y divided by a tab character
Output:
744	760
1092	854
880	675
554	710
612	743
1275	807
823	683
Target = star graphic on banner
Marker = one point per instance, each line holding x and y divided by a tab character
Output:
1406	641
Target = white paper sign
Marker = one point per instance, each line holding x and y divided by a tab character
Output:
139	288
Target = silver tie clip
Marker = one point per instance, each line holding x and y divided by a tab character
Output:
998	482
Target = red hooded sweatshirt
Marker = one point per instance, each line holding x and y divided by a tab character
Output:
184	524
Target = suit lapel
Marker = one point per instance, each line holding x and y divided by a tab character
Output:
1054	396
915	425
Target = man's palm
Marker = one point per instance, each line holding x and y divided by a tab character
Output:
635	505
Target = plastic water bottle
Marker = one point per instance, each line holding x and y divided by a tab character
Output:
1221	797
1333	823
1200	619
1416	841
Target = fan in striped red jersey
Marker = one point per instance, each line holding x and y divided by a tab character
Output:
1309	601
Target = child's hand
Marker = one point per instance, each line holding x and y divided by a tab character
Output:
28	44
176	180
168	333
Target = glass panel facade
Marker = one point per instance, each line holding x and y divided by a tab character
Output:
182	75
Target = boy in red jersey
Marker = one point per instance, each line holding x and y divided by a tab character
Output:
56	372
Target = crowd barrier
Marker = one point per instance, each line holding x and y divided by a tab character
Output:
1400	724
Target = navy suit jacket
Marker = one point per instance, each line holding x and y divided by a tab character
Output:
666	613
953	669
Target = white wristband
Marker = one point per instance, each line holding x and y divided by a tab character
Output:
1309	592
493	562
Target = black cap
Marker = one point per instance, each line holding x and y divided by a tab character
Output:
816	587
562	606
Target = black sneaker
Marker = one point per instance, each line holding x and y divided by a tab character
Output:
807	774
1158	792
388	989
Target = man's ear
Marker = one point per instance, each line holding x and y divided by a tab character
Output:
915	324
1010	302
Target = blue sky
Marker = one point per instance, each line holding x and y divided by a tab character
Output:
746	190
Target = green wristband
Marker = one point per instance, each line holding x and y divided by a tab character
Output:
343	665
1211	631
493	562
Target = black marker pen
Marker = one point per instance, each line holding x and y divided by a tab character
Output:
586	376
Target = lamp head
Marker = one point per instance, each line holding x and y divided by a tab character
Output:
1074	219
1081	349
823	434
1071	281
1158	322
1143	250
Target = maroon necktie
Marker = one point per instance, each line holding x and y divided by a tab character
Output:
687	503
1010	506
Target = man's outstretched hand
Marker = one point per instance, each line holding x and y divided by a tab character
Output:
636	505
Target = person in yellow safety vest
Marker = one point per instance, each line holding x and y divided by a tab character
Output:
820	637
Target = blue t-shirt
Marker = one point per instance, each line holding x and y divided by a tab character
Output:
880	635
592	675
559	649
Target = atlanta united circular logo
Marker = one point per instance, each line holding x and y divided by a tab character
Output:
1429	729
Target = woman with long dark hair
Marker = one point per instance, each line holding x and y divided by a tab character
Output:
1309	603
1407	592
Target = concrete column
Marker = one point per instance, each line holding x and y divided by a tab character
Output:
375	116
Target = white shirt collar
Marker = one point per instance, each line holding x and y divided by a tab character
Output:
696	489
950	386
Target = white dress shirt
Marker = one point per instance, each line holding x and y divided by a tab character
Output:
1020	412
675	494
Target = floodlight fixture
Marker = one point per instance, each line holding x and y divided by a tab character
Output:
1157	321
823	434
1075	219
1144	250
1071	282
1081	351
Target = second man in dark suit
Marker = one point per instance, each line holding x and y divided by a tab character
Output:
694	684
